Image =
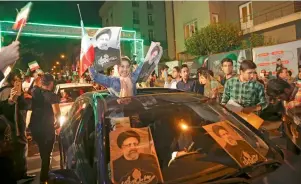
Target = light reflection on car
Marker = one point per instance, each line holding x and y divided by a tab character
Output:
68	93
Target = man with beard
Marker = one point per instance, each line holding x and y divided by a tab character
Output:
133	166
150	65
241	151
104	53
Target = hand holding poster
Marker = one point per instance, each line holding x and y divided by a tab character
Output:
132	157
239	149
151	60
107	47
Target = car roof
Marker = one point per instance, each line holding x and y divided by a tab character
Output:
71	85
155	92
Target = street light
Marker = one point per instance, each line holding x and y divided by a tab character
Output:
54	66
57	63
62	56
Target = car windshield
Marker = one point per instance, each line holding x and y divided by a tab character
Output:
178	123
68	95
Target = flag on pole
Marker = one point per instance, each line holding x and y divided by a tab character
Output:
22	16
87	52
33	65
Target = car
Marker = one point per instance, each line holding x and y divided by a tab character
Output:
292	129
84	140
68	93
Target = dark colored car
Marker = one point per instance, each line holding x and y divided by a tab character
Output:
292	129
85	143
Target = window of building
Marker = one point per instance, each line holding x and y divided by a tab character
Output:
136	17
215	18
150	19
135	3
151	35
149	5
246	17
189	29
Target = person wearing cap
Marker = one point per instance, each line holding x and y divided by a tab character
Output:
132	161
43	121
122	86
103	52
240	150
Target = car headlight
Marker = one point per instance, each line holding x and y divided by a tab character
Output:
62	120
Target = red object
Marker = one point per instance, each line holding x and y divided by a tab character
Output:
87	54
22	17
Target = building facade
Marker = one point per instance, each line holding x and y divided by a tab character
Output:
278	21
146	17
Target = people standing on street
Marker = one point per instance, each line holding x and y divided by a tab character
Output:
282	73
44	121
176	75
227	67
186	84
243	90
12	109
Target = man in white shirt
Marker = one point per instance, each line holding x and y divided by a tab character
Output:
176	75
26	84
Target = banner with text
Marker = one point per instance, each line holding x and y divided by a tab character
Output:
289	53
106	42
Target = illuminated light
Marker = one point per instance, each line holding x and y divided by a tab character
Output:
62	56
183	126
62	120
54	66
59	36
63	26
57	63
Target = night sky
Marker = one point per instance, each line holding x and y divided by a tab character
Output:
54	12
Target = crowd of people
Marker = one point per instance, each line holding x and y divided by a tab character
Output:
269	97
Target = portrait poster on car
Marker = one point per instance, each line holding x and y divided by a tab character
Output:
151	60
133	157
239	149
106	42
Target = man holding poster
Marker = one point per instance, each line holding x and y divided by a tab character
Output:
107	47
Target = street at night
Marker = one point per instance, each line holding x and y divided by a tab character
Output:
150	92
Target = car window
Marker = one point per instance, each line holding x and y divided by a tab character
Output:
86	134
68	95
74	119
175	126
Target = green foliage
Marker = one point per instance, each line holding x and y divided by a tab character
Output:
214	38
257	40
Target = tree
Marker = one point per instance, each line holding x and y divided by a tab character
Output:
214	38
257	40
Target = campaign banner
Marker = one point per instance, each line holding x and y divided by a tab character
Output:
133	156
238	148
237	56
106	42
289	54
151	60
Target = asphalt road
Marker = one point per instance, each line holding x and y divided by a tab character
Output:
289	172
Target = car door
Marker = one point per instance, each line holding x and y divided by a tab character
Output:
84	145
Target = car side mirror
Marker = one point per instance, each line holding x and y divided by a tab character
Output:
63	176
